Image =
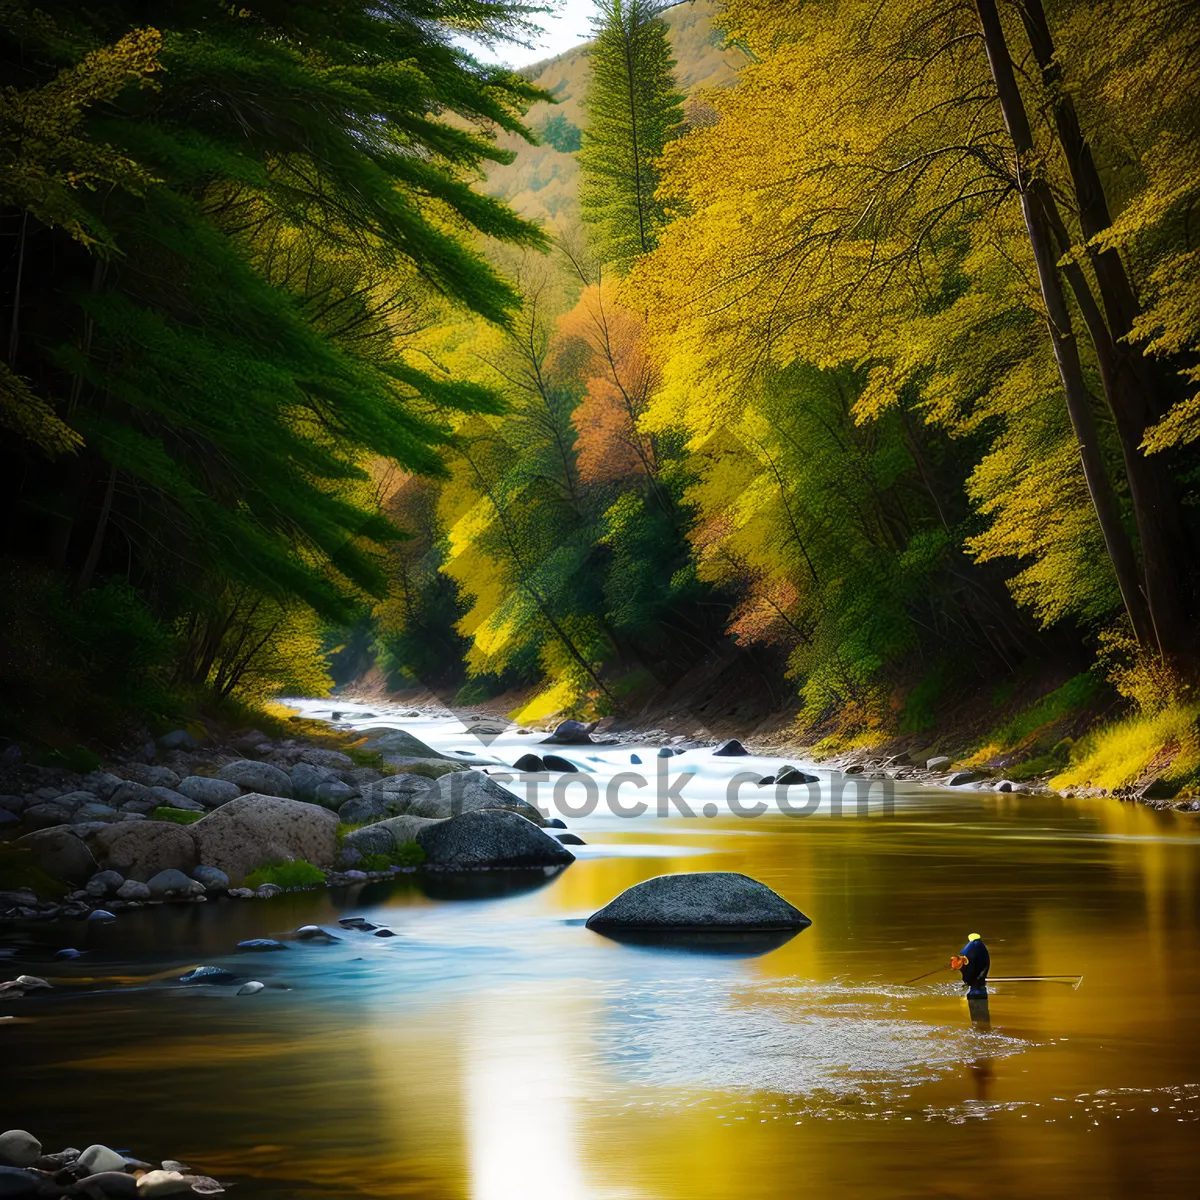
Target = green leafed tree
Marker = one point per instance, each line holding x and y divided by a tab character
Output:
230	224
633	110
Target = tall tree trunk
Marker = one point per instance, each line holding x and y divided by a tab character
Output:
1133	391
1066	352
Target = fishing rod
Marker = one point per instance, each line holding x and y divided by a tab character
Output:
1073	980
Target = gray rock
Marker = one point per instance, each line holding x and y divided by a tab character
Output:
490	839
75	799
1007	785
249	989
131	889
170	798
19	1149
173	885
8	819
259	778
571	733
99	1158
789	776
529	763
105	883
214	879
178	739
306	778
13	804
211	793
140	849
267	890
240	893
717	901
961	777
334	759
469	791
46	816
86	813
17	1181
58	1160
389	741
554	762
150	775
112	1184
937	764
60	853
132	793
259	945
256	829
101	914
101	783
333	793
730	749
382	838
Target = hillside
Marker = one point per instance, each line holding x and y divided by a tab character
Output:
541	183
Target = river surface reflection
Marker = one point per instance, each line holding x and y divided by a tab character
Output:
496	1048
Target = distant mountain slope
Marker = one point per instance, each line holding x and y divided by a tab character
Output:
541	183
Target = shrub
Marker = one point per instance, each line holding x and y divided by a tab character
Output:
296	873
409	854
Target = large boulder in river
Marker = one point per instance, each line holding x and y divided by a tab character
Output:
714	901
571	733
141	849
490	839
255	830
212	793
258	777
469	791
60	853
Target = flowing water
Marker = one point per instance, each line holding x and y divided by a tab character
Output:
496	1048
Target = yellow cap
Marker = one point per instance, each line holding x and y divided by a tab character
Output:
973	937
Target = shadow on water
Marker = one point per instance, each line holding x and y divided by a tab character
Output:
482	885
726	943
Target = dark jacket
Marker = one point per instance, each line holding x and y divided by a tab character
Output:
975	972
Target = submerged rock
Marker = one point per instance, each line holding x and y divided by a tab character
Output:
262	944
789	776
571	733
529	763
490	839
554	762
248	989
730	749
708	900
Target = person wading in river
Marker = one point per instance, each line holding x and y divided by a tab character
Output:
974	961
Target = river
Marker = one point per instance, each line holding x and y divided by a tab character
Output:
496	1048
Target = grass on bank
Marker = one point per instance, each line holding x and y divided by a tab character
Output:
1131	750
296	873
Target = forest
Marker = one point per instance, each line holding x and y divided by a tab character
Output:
865	380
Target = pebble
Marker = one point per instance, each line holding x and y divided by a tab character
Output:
208	975
19	1148
384	933
101	914
249	989
98	1158
314	933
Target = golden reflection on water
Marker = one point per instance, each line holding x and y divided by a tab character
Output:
497	1049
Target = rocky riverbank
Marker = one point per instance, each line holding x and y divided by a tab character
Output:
98	1172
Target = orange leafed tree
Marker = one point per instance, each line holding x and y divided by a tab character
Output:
600	344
